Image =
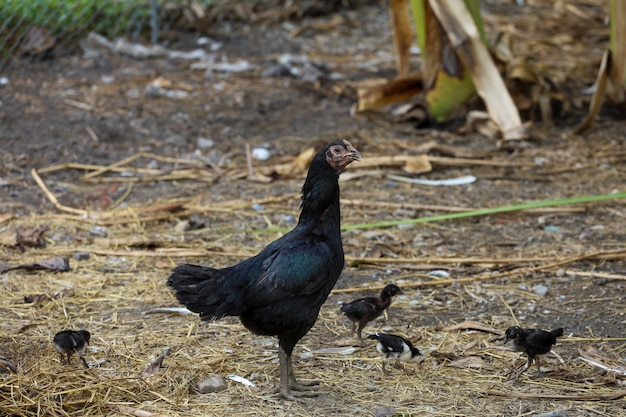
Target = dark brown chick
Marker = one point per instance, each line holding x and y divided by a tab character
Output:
364	310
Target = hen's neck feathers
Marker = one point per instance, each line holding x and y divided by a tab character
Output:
320	197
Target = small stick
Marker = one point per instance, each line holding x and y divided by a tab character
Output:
595	274
574	397
124	409
92	134
113	165
53	199
78	104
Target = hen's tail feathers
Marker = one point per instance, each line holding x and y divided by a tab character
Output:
373	336
207	291
557	332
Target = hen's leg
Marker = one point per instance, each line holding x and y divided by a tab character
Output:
289	387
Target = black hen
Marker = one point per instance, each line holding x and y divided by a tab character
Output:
68	342
279	291
364	310
396	347
533	342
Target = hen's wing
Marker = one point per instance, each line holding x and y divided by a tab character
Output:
298	266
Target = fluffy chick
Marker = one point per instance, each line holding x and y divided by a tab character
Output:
68	342
532	342
396	347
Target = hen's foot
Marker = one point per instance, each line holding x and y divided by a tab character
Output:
296	391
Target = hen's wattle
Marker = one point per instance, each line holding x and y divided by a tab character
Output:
279	291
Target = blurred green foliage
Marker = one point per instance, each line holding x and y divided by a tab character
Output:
108	17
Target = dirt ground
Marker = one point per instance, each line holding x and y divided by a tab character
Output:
553	267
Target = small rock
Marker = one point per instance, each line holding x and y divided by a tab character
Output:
181	226
600	281
414	303
555	413
263	341
286	218
205	143
384	411
257	207
212	44
133	93
439	273
81	256
176	140
261	154
278	70
540	289
99	231
214	383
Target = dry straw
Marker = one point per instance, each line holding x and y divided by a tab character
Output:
111	294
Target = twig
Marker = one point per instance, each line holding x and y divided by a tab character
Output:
78	104
449	209
574	397
92	134
604	255
489	211
513	316
53	199
119	201
595	274
113	165
249	161
603	366
133	411
611	254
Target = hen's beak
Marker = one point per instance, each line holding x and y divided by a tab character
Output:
352	154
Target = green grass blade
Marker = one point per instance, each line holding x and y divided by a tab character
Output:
488	211
460	215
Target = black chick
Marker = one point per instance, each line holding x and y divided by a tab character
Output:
396	347
279	291
68	342
364	310
533	342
